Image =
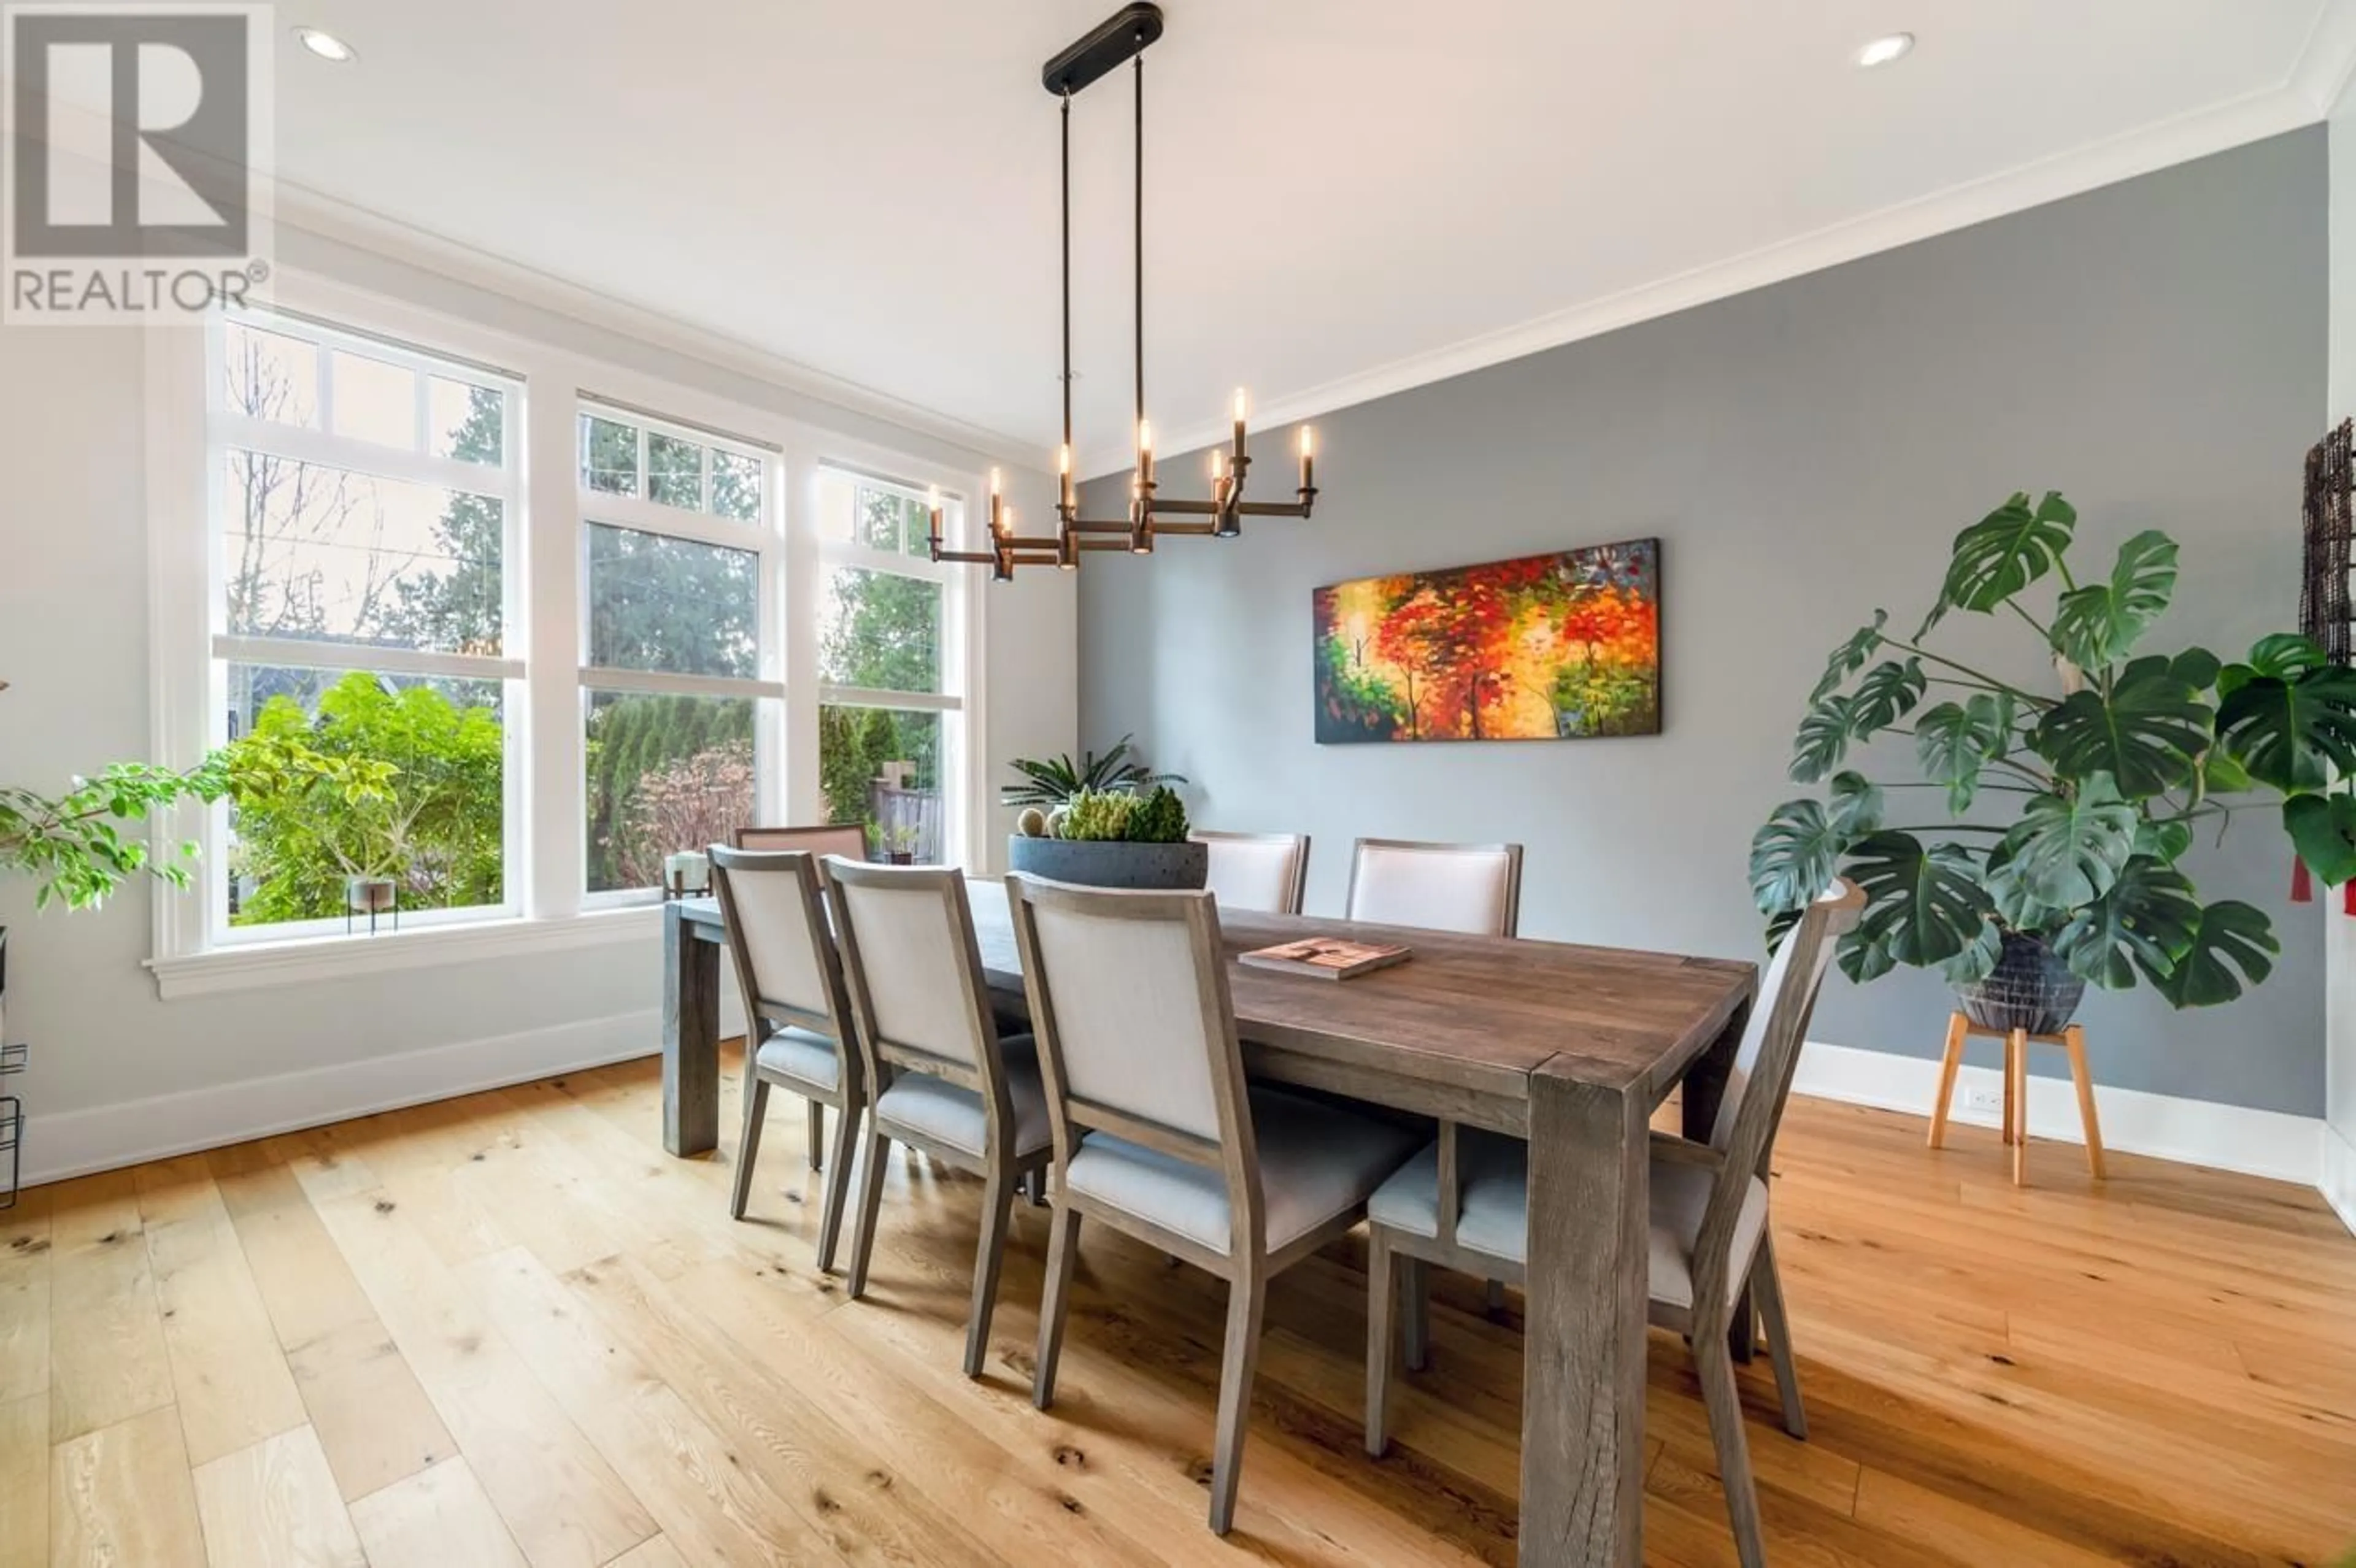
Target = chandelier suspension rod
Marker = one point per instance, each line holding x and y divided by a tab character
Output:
1138	68
1124	36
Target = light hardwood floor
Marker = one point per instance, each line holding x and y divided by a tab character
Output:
508	1329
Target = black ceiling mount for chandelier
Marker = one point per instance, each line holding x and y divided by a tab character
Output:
1122	37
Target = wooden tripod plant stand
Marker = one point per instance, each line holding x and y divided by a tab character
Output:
2072	1039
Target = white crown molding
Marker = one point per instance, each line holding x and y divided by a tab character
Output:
315	212
2328	61
2325	64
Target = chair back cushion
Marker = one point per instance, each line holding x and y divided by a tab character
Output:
849	840
1256	871
908	939
1786	1001
777	929
1130	1019
1471	888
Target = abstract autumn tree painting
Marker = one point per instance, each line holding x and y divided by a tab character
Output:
1543	647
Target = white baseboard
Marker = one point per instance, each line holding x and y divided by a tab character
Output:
2193	1132
107	1138
2339	1181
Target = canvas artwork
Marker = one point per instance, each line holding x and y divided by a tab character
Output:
1545	647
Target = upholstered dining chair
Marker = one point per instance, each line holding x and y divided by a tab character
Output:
796	1015
1464	1203
943	1080
1471	888
1156	1133
847	839
1263	871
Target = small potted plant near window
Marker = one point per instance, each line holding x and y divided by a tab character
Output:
1114	838
2049	856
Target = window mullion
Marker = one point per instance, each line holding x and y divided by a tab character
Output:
555	808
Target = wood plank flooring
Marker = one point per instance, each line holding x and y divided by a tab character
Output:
508	1330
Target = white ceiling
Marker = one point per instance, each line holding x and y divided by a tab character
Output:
1343	196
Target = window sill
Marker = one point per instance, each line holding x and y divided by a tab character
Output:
307	960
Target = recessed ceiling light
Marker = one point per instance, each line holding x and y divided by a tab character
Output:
1886	51
326	45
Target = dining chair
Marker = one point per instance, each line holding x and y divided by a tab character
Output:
1471	888
1464	1203
1157	1135
846	838
1263	871
944	1082
796	1012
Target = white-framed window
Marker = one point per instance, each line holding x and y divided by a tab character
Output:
681	663
894	666
364	504
564	583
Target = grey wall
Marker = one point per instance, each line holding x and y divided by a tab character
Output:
2155	349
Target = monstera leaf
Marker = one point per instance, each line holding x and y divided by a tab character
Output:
2164	840
1886	694
2095	626
1862	960
2229	935
2285	655
1978	959
1923	905
2323	830
1850	656
1822	742
2067	850
2009	894
1793	855
1854	806
2288	730
2147	734
2003	553
1954	741
2146	921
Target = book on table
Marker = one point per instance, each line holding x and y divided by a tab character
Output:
1326	957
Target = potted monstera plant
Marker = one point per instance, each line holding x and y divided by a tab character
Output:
2039	848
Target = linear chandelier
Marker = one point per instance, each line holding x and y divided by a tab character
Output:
1124	36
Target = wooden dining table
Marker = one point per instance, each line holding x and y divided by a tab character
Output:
1572	1048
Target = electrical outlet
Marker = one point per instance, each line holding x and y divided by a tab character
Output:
1983	1100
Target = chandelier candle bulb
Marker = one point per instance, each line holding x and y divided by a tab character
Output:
1241	408
1307	457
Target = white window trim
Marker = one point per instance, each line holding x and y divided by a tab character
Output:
962	601
763	536
555	913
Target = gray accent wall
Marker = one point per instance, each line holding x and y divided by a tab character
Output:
1805	453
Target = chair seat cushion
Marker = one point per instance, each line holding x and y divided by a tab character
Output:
801	1055
1316	1161
954	1114
1495	1206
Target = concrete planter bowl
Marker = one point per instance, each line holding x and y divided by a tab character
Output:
1161	866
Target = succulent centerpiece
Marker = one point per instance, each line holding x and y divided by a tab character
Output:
2050	854
1106	821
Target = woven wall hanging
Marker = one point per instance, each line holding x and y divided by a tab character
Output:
2324	614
